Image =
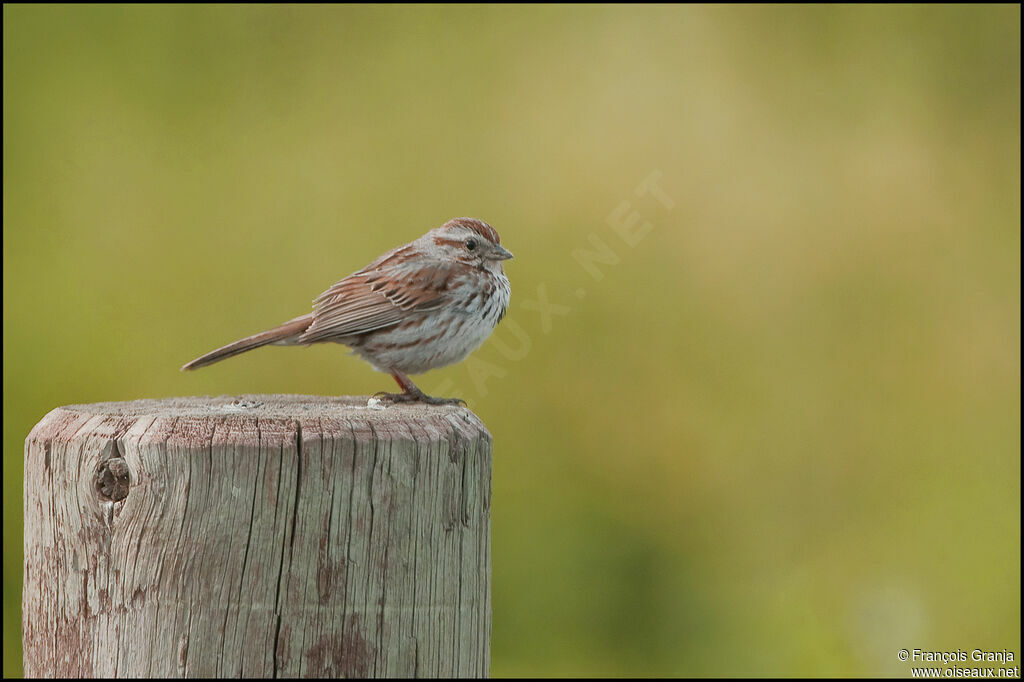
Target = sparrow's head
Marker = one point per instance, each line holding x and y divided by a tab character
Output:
469	241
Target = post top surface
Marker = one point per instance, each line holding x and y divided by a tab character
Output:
282	406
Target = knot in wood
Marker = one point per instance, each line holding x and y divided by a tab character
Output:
113	479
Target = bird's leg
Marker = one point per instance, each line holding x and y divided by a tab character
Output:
412	394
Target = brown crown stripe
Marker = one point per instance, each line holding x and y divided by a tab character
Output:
478	226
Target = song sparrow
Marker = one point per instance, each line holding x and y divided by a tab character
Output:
421	306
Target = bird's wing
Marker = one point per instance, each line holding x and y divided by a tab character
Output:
384	293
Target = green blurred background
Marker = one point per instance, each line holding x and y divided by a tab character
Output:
780	435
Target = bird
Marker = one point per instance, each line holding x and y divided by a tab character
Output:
420	306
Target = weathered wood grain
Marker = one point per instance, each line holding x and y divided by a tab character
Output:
260	536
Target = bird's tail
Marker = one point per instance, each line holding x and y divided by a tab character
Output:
284	334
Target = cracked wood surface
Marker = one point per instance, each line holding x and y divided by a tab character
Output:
257	536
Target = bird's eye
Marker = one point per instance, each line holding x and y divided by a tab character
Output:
471	244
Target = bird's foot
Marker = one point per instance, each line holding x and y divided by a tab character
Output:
417	397
431	400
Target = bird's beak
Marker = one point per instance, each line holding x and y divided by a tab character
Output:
499	252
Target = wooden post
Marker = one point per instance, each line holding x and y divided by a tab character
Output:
261	536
